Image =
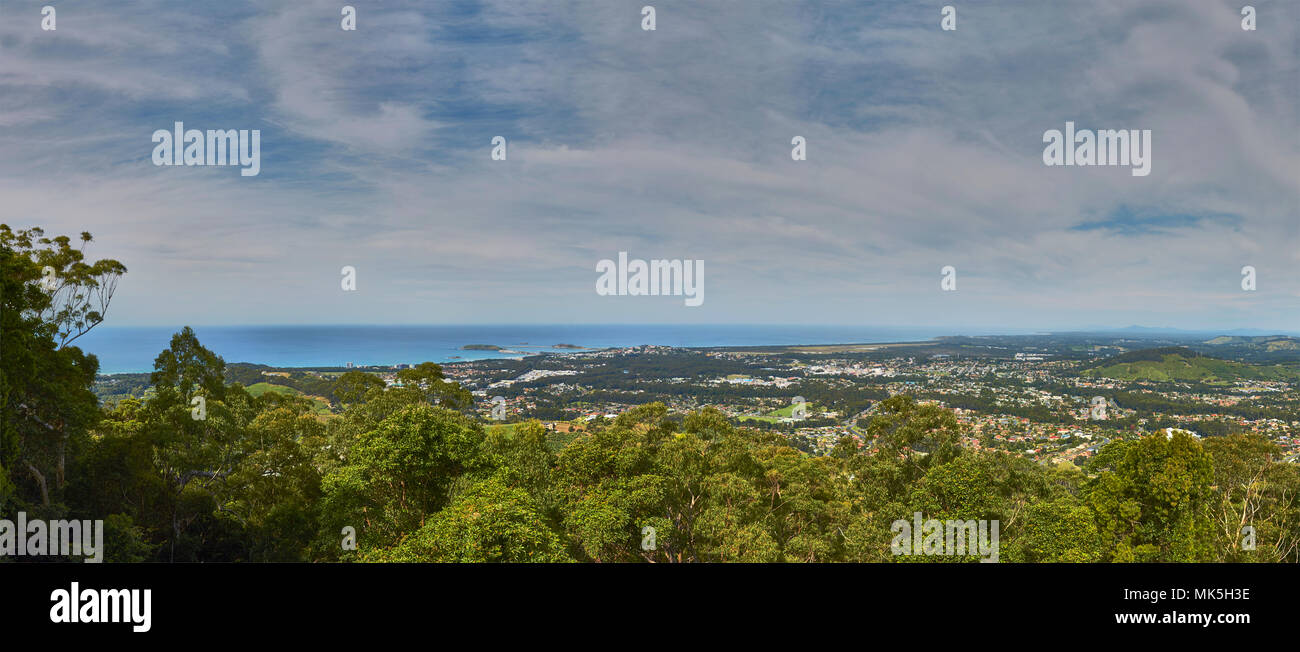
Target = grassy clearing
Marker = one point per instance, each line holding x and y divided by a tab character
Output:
258	389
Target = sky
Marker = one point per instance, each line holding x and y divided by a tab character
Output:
924	150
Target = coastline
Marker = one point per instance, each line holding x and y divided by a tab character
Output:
128	350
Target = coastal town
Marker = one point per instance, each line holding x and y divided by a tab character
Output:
1055	400
1054	407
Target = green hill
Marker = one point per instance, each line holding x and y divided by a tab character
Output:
1268	342
1264	344
1173	364
258	389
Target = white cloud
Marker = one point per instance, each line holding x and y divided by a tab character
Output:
924	151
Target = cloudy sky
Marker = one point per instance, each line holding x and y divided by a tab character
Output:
924	150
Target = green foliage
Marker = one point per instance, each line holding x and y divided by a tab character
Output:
275	489
400	472
124	541
1254	490
72	296
491	522
1060	531
353	386
1154	504
48	297
1180	364
426	378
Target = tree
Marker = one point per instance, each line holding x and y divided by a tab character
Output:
520	455
195	425
398	474
1058	531
187	369
1257	492
1155	503
353	386
609	489
77	293
274	491
919	436
491	522
427	379
48	297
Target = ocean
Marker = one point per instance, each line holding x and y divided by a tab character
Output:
133	349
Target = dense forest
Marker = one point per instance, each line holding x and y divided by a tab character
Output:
201	470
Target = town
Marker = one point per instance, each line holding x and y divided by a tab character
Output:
1036	402
1054	398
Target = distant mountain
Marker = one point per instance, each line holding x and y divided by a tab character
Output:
1177	363
1256	349
1263	342
1151	329
1169	330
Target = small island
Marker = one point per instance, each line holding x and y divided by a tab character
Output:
567	346
481	347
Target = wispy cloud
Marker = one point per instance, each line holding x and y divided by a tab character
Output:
924	150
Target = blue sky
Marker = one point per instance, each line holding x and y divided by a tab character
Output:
924	150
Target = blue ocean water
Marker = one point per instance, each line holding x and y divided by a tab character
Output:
133	349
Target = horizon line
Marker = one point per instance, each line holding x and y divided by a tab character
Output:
1009	330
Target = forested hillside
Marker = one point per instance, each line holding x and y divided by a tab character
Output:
1178	363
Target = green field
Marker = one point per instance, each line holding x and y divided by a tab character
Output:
788	410
783	413
258	389
556	441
